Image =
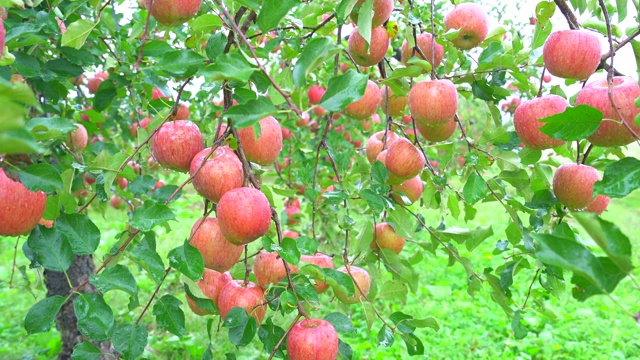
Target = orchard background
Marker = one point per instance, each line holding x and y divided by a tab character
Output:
487	257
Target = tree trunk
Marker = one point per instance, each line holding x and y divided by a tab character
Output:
66	322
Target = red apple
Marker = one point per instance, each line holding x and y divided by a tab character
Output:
599	205
290	234
376	51
94	83
78	138
315	94
360	277
286	133
218	253
182	113
367	105
611	131
304	119
385	237
159	184
382	10
318	111
172	12
176	143
572	54
573	185
375	144
424	44
265	149
269	268
211	284
293	213
532	21
115	202
244	214
320	260
411	189
546	78
220	173
403	161
250	297
20	208
122	183
472	22
433	102
158	94
437	133
396	104
527	124
313	339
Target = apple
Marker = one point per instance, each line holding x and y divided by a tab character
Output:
20	208
144	123
244	214
182	113
424	44
403	161
527	124
78	138
286	133
376	51
318	111
218	253
375	144
89	178
367	105
172	12
320	260
546	78
290	234
295	202
265	149
221	172
312	339
533	20
396	104
115	202
94	83
304	120
437	133
573	185
572	54
472	22
382	10
433	102
250	297
611	131
511	106
412	189
269	268
211	284
176	143
156	94
293	213
122	182
599	205
315	94
360	277
385	237
159	184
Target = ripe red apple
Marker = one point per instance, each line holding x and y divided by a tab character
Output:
211	284
472	21
304	119
315	94
159	184
244	214
286	133
158	94
527	125
433	102
94	83
144	123
176	143
437	133
182	113
573	185
172	12
611	131
367	105
218	253
424	44
265	149
312	339
572	54
290	234
412	190
375	144
293	212
382	10
20	208
546	78
323	261
360	277
318	111
533	20
599	205
220	173
403	161
269	268
115	202
122	182
250	297
385	237
378	46
78	138
396	104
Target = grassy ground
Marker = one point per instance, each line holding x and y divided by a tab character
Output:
470	327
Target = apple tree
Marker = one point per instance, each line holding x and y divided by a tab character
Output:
317	139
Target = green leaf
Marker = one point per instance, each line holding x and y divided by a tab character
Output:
86	351
41	177
141	184
375	201
77	33
307	245
215	45
289	251
252	111
180	63
385	337
344	9
340	322
242	327
273	12
569	255
188	260
231	66
494	49
169	315
95	317
51	248
205	23
81	233
314	54
129	340
393	290
584	289
151	214
42	314
107	92
344	349
194	292
117	277
48	128
520	331
403	222
413	343
622	9
475	189
343	90
63	68
575	123
379	172
609	238
620	178
365	15
145	255
270	336
18	141
338	280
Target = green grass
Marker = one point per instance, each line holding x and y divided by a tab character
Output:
470	327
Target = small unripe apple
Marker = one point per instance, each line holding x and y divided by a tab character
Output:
78	138
527	124
433	102
412	190
244	214
385	237
396	104
221	172
367	105
20	208
176	143
269	268
375	144
437	133
360	277
217	252
315	94
572	54
424	42
472	21
573	185
172	12
378	46
323	261
313	339
265	149
382	10
404	160
250	297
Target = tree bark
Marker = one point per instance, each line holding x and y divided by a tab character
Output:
66	322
